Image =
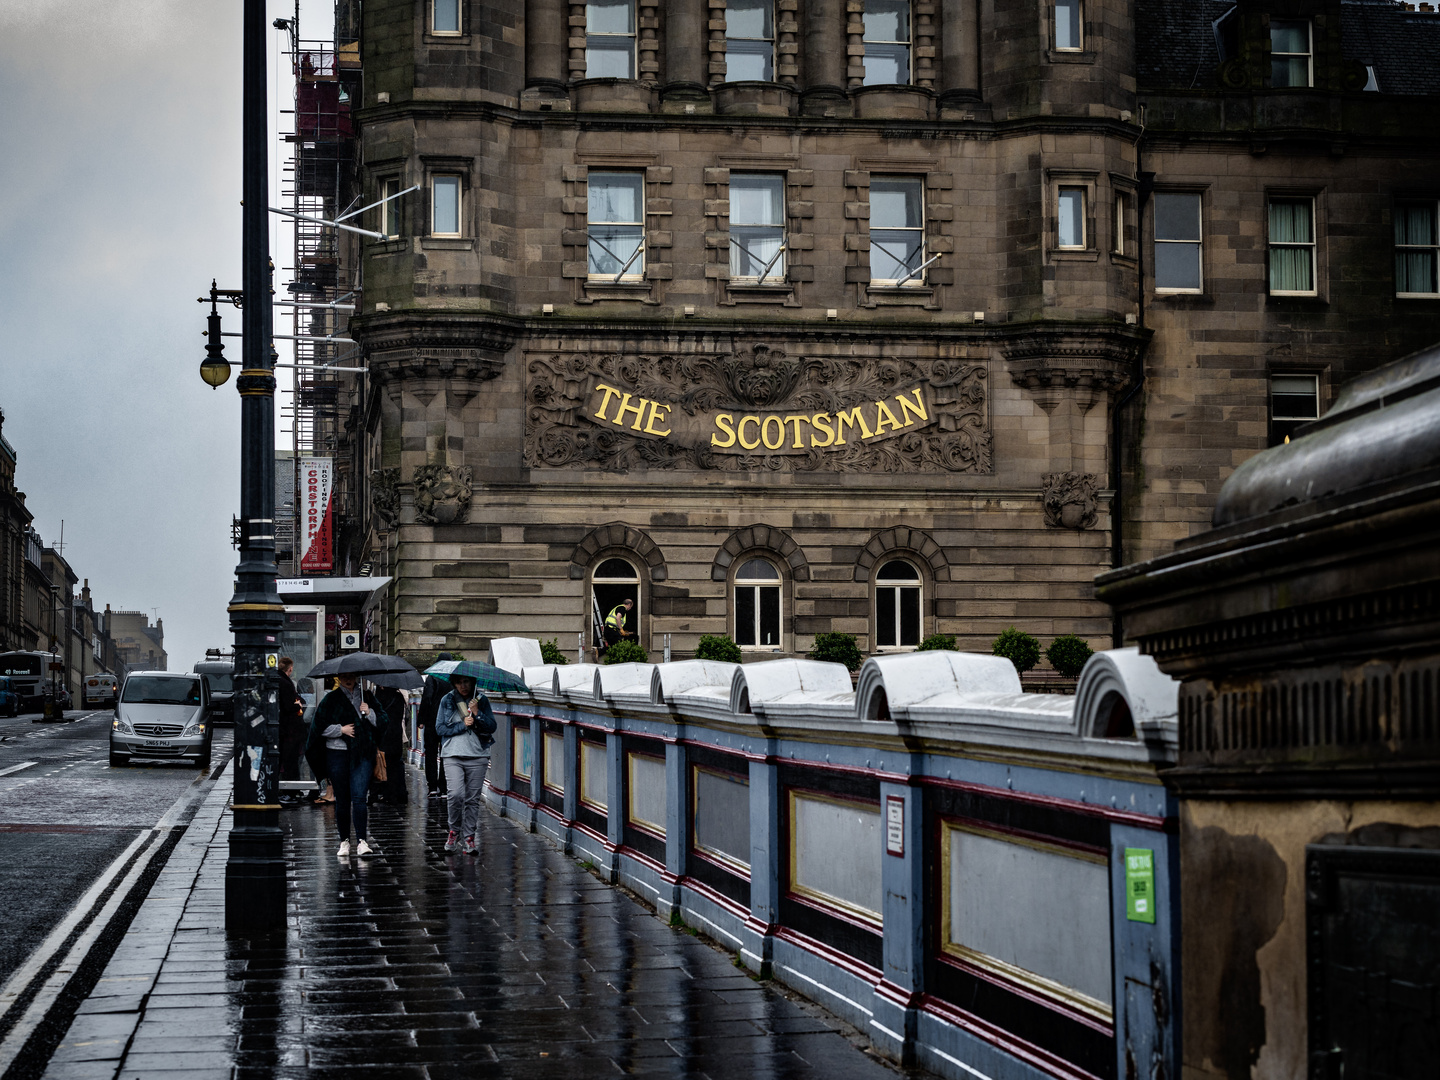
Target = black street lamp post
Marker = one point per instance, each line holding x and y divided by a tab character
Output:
255	871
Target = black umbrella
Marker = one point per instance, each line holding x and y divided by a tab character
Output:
361	663
400	680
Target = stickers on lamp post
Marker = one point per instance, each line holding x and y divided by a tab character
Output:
1140	884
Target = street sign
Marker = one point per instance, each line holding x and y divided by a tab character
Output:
1140	884
349	639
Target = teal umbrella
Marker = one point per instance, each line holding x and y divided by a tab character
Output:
487	677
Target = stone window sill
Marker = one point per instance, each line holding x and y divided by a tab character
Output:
1184	299
604	289
396	245
447	243
754	292
459	40
901	295
1074	255
1067	56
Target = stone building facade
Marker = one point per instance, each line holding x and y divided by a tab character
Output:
798	316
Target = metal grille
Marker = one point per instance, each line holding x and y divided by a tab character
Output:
158	731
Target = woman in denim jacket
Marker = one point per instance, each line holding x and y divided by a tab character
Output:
465	723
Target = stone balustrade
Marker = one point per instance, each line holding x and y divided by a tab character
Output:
979	879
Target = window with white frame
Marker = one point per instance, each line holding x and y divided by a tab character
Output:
887	42
897	606
610	39
757	226
1290	53
750	40
1122	208
1292	246
445	16
617	225
1417	256
757	604
445	204
897	231
1070	218
1177	242
390	208
1067	26
1294	400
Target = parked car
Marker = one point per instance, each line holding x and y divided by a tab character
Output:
161	714
100	691
219	676
9	699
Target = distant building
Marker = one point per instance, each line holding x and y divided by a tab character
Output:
139	645
14	523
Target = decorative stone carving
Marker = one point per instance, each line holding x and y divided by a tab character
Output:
1068	500
943	424
1088	365
442	494
385	495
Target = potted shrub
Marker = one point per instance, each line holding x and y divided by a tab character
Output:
718	647
1020	648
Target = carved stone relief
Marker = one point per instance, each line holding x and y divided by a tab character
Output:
385	495
1068	500
756	409
442	494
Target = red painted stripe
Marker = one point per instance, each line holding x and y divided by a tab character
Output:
841	960
699	888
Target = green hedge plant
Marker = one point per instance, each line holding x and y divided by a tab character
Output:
837	649
550	652
1067	655
718	647
1020	648
626	651
938	641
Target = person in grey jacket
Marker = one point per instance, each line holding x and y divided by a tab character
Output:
465	724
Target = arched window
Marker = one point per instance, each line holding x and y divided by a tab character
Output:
757	604
897	606
613	582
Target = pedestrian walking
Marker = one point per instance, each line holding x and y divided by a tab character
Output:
350	724
435	689
292	729
465	723
392	745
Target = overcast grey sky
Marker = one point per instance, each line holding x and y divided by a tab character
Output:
119	201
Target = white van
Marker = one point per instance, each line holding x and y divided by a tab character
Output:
100	691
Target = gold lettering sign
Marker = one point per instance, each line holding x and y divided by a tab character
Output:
749	432
757	408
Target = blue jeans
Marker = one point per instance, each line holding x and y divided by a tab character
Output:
350	781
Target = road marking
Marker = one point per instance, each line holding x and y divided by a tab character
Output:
45	997
17	768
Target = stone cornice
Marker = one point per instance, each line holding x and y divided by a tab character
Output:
1093	360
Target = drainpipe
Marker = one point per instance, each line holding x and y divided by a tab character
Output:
1117	434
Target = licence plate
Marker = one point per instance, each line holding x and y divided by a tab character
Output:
157	742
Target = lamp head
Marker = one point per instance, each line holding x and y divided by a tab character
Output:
214	369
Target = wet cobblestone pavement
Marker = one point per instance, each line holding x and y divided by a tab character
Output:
414	963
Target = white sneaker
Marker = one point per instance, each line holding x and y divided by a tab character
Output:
364	848
344	852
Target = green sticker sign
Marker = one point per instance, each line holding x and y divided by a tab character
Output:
1140	884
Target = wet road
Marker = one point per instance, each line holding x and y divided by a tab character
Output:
65	814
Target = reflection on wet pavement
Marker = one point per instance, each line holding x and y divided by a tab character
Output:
517	963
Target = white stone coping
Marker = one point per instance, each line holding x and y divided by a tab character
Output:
938	696
515	654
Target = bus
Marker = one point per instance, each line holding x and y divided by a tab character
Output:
29	672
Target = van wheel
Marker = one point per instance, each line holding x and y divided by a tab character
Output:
116	760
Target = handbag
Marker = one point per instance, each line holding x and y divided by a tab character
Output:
381	773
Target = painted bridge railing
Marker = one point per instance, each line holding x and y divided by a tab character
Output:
978	878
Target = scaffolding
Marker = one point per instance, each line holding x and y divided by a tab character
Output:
324	284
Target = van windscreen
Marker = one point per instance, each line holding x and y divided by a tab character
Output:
161	690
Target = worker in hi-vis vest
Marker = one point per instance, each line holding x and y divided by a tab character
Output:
615	622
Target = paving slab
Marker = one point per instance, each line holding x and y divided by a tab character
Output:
514	964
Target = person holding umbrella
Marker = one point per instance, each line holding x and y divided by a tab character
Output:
465	723
351	725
